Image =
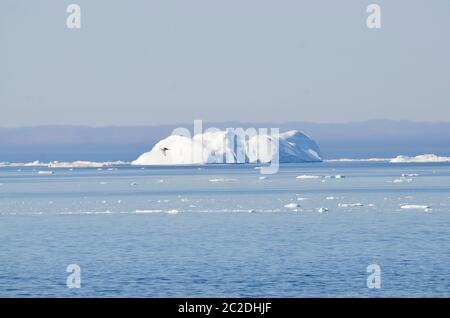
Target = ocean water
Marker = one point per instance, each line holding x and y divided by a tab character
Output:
222	231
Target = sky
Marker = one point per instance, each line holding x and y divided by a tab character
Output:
173	61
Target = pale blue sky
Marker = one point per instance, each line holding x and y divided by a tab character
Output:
171	61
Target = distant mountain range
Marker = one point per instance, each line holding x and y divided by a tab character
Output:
375	138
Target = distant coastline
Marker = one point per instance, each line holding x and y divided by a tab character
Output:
356	140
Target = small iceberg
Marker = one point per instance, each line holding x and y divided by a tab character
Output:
420	159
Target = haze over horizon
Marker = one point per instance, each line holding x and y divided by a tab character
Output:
244	124
156	63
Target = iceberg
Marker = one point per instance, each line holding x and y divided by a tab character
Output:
57	164
230	147
420	159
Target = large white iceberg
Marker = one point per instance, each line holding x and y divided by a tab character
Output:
231	147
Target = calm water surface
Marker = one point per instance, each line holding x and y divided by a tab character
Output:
188	231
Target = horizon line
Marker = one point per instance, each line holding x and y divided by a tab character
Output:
427	122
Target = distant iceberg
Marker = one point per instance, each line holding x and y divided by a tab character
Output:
229	147
57	164
420	159
427	158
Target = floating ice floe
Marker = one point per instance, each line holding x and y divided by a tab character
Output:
292	206
57	164
306	177
416	207
331	198
350	205
407	180
338	176
358	160
85	212
322	210
409	175
420	159
84	164
173	211
45	172
222	180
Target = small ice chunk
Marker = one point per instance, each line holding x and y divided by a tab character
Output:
410	175
415	207
322	210
402	180
292	206
305	177
222	180
338	176
45	172
350	205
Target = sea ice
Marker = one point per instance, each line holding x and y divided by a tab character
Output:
45	172
292	206
347	205
308	177
222	180
420	158
415	207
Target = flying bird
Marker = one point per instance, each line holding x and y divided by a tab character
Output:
164	149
